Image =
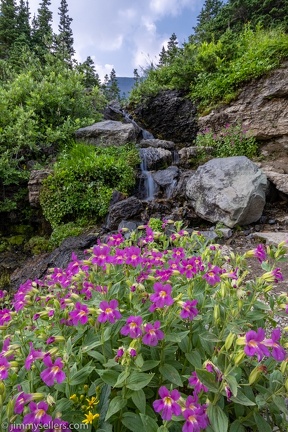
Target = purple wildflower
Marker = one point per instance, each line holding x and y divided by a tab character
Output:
109	311
79	314
277	275
38	414
21	401
278	352
195	420
153	334
212	276
189	311
133	256
132	352
161	297
132	327
254	344
53	372
32	356
168	403
5	316
4	368
260	253
196	383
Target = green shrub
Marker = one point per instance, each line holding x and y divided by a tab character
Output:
84	179
230	141
62	232
37	245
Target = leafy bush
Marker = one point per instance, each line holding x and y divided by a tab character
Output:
41	108
230	141
213	72
154	334
84	179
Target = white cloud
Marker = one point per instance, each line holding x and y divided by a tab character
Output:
125	33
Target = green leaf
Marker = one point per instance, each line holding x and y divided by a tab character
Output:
194	358
108	376
116	404
97	355
208	379
132	421
280	403
171	374
104	400
139	400
63	405
261	423
149	364
149	424
121	378
231	380
176	337
80	377
210	337
236	426
138	380
218	418
242	399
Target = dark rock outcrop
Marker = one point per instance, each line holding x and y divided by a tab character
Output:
34	185
155	158
169	116
126	209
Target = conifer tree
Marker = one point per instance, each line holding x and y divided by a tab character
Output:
64	40
8	27
42	34
163	57
206	25
113	88
23	21
91	77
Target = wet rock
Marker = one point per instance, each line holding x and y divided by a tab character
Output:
168	145
165	178
229	190
123	210
107	133
34	185
155	158
169	116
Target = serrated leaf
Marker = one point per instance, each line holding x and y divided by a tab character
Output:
80	377
149	364
236	426
149	424
138	380
261	423
176	337
208	379
242	399
194	358
115	405
108	376
171	374
218	418
132	421
139	400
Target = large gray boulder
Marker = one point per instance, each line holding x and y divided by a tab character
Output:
123	210
229	190
107	133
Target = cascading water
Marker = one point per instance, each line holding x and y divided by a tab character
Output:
149	184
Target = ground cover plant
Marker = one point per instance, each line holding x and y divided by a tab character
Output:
161	331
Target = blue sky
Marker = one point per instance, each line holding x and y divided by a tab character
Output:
125	34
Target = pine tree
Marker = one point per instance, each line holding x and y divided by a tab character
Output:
91	77
114	91
42	34
8	27
64	40
163	57
172	47
205	28
23	21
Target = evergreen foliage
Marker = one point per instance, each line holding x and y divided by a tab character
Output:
64	40
8	27
42	33
90	76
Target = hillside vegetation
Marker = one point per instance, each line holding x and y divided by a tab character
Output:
219	59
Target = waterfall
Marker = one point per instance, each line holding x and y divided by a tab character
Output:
149	184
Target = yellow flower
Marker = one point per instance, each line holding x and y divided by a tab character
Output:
90	417
74	398
92	402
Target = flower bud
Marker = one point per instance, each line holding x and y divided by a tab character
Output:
239	357
254	375
37	396
229	341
